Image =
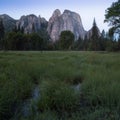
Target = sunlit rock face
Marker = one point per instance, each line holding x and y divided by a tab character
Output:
31	23
66	21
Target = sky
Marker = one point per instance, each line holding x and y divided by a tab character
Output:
87	9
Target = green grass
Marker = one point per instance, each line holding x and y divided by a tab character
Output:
55	73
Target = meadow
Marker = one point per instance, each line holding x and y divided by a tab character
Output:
69	85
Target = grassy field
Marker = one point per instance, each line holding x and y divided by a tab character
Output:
56	75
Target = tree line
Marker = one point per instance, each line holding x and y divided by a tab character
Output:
17	40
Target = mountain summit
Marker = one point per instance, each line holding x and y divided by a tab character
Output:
31	23
9	23
67	21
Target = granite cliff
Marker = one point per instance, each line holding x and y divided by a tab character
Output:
31	23
66	21
9	23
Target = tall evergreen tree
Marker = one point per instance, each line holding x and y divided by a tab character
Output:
2	32
22	30
18	28
103	34
102	41
94	23
1	29
15	29
94	40
33	28
119	43
85	43
78	45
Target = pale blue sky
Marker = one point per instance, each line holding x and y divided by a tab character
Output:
88	9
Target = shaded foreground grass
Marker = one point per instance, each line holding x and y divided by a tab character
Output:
56	73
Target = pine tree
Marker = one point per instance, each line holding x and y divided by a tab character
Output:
78	45
2	32
15	29
18	28
102	41
94	23
119	43
33	28
22	30
103	35
94	40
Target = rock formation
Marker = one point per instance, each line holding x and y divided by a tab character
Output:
9	23
66	21
31	23
59	22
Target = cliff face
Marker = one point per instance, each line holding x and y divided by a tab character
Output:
31	23
9	23
66	21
